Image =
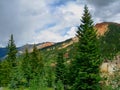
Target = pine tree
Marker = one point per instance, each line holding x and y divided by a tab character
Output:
12	61
36	69
9	63
88	58
12	51
60	69
25	68
36	61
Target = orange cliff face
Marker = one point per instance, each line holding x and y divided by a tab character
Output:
101	28
46	44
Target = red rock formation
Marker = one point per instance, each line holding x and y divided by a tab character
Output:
101	28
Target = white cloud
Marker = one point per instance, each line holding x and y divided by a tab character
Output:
71	33
63	17
35	21
47	35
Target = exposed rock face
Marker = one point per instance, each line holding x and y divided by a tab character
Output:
109	67
30	46
46	44
73	40
110	70
101	28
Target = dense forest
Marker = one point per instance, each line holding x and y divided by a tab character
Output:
75	67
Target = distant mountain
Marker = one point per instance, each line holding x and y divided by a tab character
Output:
30	46
3	52
101	28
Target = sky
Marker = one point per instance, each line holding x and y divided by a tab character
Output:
37	21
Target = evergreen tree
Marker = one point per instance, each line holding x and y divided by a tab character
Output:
9	63
12	51
13	63
36	68
36	62
25	68
32	67
5	69
88	58
60	69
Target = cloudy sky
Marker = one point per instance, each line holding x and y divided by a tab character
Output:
36	21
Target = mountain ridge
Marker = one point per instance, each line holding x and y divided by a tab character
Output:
100	27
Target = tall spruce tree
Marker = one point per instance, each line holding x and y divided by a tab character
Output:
88	58
12	51
9	63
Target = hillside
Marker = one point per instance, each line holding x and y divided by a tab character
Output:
102	31
103	27
109	42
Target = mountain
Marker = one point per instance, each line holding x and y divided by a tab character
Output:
39	46
3	52
109	37
102	29
110	40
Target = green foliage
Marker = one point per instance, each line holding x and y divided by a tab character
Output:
31	66
17	79
60	67
36	62
12	51
86	68
59	85
34	71
5	69
61	70
27	71
110	45
49	75
8	65
38	83
25	68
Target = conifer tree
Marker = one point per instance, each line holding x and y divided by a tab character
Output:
12	61
36	69
5	69
36	61
88	58
60	69
25	68
12	51
8	64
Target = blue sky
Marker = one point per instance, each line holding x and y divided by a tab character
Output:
36	21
